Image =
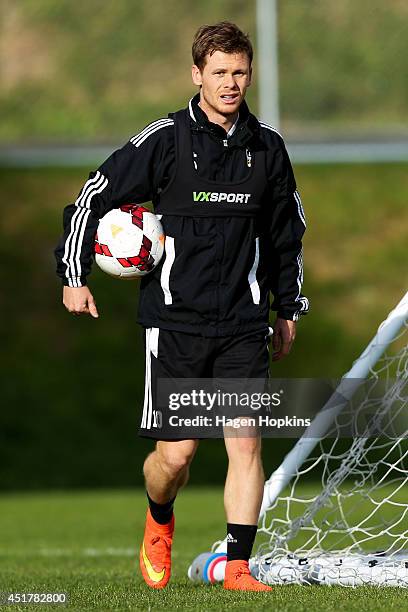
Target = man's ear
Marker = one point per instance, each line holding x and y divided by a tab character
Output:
250	76
196	75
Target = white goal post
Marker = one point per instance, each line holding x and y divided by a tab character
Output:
354	529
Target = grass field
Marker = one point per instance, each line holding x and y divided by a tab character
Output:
85	544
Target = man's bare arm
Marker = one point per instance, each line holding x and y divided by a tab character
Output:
79	300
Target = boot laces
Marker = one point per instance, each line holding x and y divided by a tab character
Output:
160	538
158	543
242	571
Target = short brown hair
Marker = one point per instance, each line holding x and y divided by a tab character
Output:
223	36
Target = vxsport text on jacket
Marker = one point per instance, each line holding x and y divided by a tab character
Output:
214	196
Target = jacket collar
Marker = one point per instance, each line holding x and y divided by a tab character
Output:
246	128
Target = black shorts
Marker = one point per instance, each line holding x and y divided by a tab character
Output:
179	355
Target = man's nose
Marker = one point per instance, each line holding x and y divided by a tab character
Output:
229	80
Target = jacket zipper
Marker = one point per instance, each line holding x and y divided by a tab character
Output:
248	157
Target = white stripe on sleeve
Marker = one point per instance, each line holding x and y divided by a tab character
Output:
73	244
149	127
269	127
301	212
303	301
149	130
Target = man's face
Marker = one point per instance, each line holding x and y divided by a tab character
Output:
224	81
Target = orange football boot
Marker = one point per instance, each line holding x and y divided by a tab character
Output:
155	552
238	578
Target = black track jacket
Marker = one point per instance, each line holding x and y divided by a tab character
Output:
236	274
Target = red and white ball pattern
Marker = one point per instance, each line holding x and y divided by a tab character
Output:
129	242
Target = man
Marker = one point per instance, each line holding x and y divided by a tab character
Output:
223	186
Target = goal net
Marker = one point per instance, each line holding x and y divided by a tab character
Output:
336	509
351	526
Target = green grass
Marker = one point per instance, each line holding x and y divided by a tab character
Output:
86	544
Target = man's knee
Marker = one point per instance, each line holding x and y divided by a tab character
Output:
175	457
244	449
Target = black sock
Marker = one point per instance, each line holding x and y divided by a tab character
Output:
161	513
240	539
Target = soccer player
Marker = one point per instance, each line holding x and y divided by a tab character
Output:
222	183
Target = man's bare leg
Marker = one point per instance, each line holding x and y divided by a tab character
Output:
242	500
245	480
166	469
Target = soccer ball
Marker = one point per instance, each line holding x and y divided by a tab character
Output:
129	242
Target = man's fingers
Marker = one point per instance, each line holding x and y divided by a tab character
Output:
283	338
84	309
284	350
281	348
79	300
277	348
281	353
93	311
286	346
79	310
276	344
89	308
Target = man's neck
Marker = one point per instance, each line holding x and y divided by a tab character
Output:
225	121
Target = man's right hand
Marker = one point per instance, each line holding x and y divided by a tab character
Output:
79	300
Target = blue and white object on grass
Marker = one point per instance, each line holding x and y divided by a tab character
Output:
208	567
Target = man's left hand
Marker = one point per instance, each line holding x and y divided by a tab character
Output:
284	333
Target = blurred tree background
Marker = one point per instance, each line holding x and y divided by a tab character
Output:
98	72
